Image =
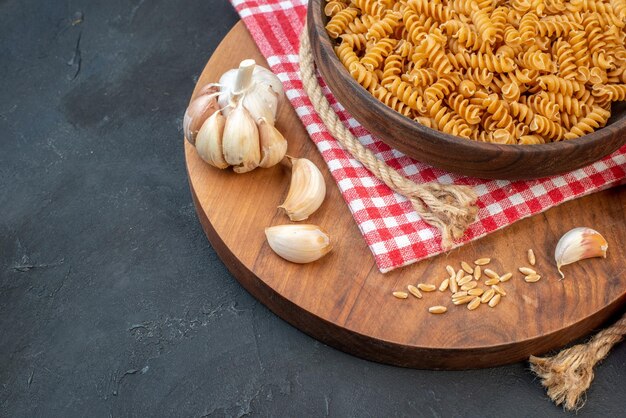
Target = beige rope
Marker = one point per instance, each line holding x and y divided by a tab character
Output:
449	208
569	373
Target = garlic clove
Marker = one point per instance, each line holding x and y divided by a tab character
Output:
261	102
578	244
209	140
199	110
240	141
298	243
306	191
273	144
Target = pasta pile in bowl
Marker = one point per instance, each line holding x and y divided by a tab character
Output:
508	72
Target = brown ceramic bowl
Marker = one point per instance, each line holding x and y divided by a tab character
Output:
446	151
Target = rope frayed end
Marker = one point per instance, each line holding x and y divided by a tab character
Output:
566	376
449	208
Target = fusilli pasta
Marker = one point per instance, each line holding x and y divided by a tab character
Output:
504	71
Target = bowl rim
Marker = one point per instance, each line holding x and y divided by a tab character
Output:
326	44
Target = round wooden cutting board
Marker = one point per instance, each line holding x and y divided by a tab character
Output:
344	301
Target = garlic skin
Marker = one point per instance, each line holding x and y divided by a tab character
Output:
259	88
306	191
578	244
298	243
199	110
273	144
209	141
240	142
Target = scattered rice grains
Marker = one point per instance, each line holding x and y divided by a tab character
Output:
477	273
437	309
451	270
454	287
491	274
464	284
469	286
474	304
491	282
465	280
506	277
414	291
475	292
468	269
527	271
487	296
498	289
463	300
532	278
495	300
426	287
482	261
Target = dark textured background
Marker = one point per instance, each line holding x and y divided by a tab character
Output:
112	303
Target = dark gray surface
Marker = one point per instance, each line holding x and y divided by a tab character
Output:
112	303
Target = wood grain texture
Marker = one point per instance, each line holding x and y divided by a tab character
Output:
344	301
445	151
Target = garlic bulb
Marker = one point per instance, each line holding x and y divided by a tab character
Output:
203	106
306	191
242	134
578	244
298	243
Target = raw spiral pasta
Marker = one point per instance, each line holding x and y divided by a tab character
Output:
385	26
420	77
407	94
356	41
371	7
339	22
471	113
391	100
522	112
522	72
347	56
360	24
333	7
566	60
540	103
447	120
393	68
376	53
596	118
366	78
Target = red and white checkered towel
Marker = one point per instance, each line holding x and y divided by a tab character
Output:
393	230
